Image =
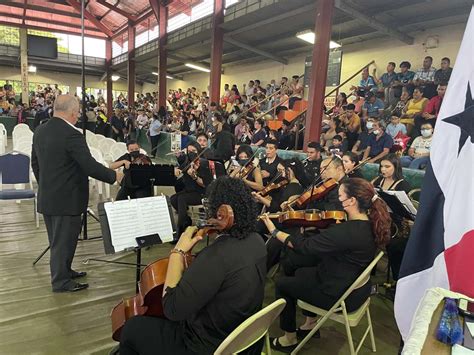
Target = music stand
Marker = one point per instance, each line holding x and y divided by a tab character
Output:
149	175
398	208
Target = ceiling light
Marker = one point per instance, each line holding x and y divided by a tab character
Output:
115	77
32	69
309	36
154	73
169	77
198	67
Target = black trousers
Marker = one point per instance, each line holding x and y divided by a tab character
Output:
151	336
63	233
180	202
154	145
124	192
301	287
395	250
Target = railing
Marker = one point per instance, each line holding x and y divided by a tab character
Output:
349	79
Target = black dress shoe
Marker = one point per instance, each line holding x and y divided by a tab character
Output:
77	274
73	287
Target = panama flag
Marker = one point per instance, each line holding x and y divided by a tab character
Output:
440	250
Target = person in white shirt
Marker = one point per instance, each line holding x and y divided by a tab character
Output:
296	90
419	152
142	119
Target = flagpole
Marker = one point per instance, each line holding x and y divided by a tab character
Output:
83	73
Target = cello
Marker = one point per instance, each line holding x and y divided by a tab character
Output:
148	301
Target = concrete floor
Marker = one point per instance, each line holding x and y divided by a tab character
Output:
33	320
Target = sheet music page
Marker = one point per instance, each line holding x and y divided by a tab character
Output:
130	219
404	199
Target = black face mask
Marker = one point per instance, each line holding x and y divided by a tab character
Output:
192	156
242	162
135	154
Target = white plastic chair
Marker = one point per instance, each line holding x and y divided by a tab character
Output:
3	135
348	319
117	151
23	139
252	330
91	139
21	135
24	147
97	155
105	146
21	127
2	144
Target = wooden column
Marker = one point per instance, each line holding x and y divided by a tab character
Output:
162	63
217	44
24	66
317	86
108	69
131	65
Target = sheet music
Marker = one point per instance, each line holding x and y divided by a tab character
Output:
130	219
404	199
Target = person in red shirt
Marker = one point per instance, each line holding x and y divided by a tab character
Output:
431	111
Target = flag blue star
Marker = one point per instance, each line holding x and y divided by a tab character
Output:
464	120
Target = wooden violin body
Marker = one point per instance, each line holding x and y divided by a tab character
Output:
316	193
309	218
271	187
142	159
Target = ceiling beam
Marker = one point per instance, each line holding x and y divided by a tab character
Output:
374	23
40	8
114	8
255	50
40	28
47	21
76	6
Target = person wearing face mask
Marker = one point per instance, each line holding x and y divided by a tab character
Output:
127	189
196	176
254	178
419	152
379	143
344	250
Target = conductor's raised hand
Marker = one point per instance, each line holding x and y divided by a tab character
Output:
187	240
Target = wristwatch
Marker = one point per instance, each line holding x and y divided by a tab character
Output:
274	233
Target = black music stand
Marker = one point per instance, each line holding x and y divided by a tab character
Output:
152	175
397	207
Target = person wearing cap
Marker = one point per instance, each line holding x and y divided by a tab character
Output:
373	107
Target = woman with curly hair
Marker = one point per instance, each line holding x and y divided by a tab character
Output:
222	287
344	250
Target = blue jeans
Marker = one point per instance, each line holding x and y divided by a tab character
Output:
412	163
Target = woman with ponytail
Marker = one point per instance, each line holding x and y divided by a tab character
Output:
344	251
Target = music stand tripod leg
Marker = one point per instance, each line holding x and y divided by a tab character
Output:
40	256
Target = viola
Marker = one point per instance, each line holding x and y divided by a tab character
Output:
148	301
309	218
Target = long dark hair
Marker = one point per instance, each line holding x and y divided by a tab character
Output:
376	208
395	161
229	191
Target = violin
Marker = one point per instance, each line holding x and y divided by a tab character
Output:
142	159
315	193
309	218
272	186
247	169
148	301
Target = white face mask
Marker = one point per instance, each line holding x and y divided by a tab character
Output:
370	125
376	132
426	132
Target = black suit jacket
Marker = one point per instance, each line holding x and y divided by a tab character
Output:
62	162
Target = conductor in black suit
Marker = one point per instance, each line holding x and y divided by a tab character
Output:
62	162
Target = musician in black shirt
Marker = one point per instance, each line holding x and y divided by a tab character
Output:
127	189
269	164
220	289
345	250
312	164
196	176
